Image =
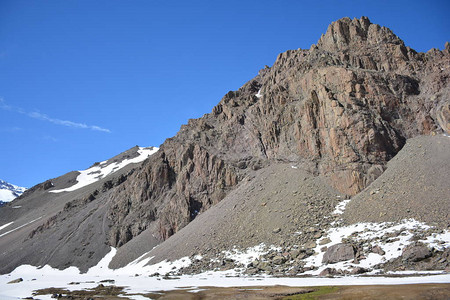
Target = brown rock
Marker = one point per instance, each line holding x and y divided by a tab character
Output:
329	272
16	281
338	252
377	249
416	252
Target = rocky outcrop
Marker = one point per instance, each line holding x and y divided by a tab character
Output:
338	252
416	252
346	105
174	186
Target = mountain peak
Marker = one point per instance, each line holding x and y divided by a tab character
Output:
347	33
9	192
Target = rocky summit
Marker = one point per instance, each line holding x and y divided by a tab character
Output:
326	159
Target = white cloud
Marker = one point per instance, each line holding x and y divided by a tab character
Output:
44	117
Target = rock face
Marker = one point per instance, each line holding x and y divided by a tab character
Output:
346	105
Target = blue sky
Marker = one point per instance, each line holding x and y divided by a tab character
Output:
81	81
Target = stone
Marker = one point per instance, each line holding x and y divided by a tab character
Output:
358	270
327	272
278	260
443	116
324	241
294	253
339	252
416	252
264	266
377	249
16	281
276	230
310	245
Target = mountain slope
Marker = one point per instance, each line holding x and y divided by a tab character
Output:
414	185
343	108
338	112
294	212
64	228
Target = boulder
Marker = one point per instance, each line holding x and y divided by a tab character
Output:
278	260
416	252
338	252
16	280
378	250
329	272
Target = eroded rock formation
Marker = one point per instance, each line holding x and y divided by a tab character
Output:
344	108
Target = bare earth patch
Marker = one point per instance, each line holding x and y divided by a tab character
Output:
407	291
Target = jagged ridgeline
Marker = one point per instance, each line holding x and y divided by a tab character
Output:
338	111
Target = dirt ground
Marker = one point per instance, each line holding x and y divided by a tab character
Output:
368	292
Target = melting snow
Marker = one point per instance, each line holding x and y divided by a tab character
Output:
6	225
18	227
259	95
136	278
103	169
250	254
339	210
374	232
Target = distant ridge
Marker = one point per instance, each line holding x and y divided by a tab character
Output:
9	192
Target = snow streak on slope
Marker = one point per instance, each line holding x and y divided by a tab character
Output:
104	169
9	192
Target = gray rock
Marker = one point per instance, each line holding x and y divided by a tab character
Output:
338	252
16	280
359	270
264	266
416	252
378	250
278	260
325	241
310	245
329	272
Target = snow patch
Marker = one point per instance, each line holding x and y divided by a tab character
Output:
3	234
250	254
259	95
104	169
6	225
340	208
136	283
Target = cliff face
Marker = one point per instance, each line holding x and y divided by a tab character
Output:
342	109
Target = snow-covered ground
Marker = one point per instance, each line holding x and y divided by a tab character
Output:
375	231
138	279
104	169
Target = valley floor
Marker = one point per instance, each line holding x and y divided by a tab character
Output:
136	286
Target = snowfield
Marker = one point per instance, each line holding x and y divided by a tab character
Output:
138	279
104	169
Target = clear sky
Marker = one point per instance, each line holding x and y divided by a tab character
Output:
81	81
